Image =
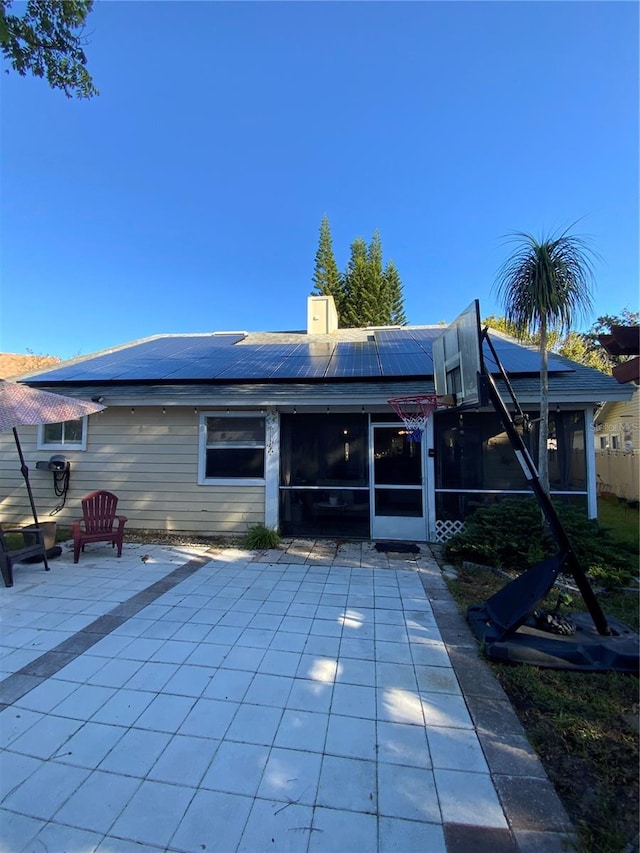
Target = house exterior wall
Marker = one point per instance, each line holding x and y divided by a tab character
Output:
149	456
149	459
617	442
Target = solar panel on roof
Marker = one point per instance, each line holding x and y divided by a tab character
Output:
302	367
357	362
518	359
392	340
406	364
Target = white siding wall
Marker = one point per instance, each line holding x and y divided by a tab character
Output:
149	459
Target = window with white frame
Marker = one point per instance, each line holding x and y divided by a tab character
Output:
233	448
615	442
67	435
604	442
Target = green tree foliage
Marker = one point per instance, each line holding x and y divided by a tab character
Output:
582	347
46	41
396	299
368	293
603	326
327	280
544	284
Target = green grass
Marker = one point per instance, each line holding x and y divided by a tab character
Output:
620	519
580	724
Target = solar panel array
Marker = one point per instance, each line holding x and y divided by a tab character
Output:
402	352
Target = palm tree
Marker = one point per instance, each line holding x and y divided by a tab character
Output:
544	284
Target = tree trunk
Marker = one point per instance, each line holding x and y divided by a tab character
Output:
543	433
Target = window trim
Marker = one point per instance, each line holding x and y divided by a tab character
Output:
203	480
63	445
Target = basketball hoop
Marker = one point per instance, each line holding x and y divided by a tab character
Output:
415	411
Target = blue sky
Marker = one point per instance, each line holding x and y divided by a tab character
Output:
188	196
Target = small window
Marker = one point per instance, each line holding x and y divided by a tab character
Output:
615	442
604	442
68	435
233	448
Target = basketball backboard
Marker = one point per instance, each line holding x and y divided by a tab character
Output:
457	358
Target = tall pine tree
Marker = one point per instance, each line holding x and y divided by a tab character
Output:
327	280
396	298
368	293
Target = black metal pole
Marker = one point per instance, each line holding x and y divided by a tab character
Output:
547	507
25	473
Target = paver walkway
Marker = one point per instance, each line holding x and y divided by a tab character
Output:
313	697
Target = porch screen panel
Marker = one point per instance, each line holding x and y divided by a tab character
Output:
323	450
476	464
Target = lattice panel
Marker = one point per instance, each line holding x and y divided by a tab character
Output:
446	529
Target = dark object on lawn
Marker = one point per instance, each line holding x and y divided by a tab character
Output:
505	624
554	623
397	547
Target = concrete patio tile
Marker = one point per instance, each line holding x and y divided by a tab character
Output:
84	701
468	798
46	740
397	705
399	675
109	844
393	652
437	679
358	672
408	836
300	691
228	684
351	737
243	658
45	790
310	695
354	700
236	768
255	724
348	783
18	829
209	718
407	792
212	821
332	827
456	749
135	753
445	709
321	645
114	673
189	680
82	668
291	775
98	801
153	813
277	662
55	836
400	743
273	826
124	707
15	769
47	695
268	689
165	713
361	649
305	730
184	761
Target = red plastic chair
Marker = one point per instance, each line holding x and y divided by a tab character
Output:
99	523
